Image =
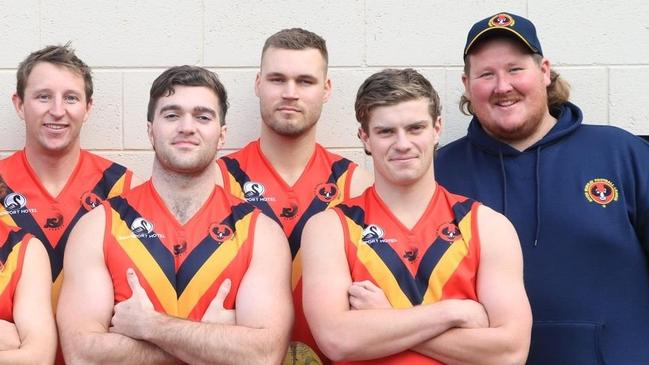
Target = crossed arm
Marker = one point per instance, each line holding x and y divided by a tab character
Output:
354	316
501	291
31	339
344	333
140	335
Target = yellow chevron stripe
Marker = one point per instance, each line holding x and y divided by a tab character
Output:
145	263
340	183
235	188
213	267
6	217
56	290
296	274
9	267
377	268
118	188
449	263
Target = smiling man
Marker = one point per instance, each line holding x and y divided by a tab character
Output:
408	273
177	270
577	194
285	172
52	182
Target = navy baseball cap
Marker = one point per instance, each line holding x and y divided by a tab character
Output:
509	24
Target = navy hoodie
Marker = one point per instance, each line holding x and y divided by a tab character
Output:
579	199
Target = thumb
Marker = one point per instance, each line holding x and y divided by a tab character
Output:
133	281
223	292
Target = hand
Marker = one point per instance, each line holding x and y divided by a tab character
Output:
9	339
133	316
366	295
216	312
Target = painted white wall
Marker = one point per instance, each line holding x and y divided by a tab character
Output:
601	47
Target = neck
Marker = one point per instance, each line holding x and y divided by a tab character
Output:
287	155
407	202
544	127
183	194
53	170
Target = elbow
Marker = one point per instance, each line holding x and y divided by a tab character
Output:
336	346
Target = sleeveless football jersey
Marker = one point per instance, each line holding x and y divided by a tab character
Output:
325	182
29	206
13	244
180	266
437	259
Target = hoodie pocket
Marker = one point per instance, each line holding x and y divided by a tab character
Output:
558	342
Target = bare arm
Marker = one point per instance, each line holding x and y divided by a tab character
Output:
86	304
347	334
33	311
361	180
263	313
501	292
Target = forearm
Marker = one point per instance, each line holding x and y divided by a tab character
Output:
210	343
484	346
353	334
25	356
113	348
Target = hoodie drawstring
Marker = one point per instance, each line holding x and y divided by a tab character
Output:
538	195
538	191
502	170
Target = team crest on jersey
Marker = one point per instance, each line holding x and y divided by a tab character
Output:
501	20
449	232
90	200
289	212
16	203
326	192
601	191
55	222
220	232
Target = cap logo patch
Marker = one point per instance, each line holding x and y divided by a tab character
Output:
501	20
600	191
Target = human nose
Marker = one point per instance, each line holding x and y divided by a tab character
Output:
186	125
402	142
503	84
57	108
290	90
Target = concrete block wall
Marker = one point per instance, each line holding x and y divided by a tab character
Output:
601	47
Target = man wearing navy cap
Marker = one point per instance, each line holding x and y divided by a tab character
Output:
577	194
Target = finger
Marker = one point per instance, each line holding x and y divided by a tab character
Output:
223	292
133	281
355	289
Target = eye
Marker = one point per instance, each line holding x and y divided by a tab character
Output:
383	132
276	80
204	118
170	116
515	69
43	97
307	82
417	128
71	99
485	74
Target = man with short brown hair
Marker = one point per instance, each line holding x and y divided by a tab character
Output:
285	172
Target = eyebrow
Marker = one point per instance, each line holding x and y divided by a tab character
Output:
197	109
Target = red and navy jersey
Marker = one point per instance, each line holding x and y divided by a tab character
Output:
181	266
29	205
13	245
435	260
325	182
